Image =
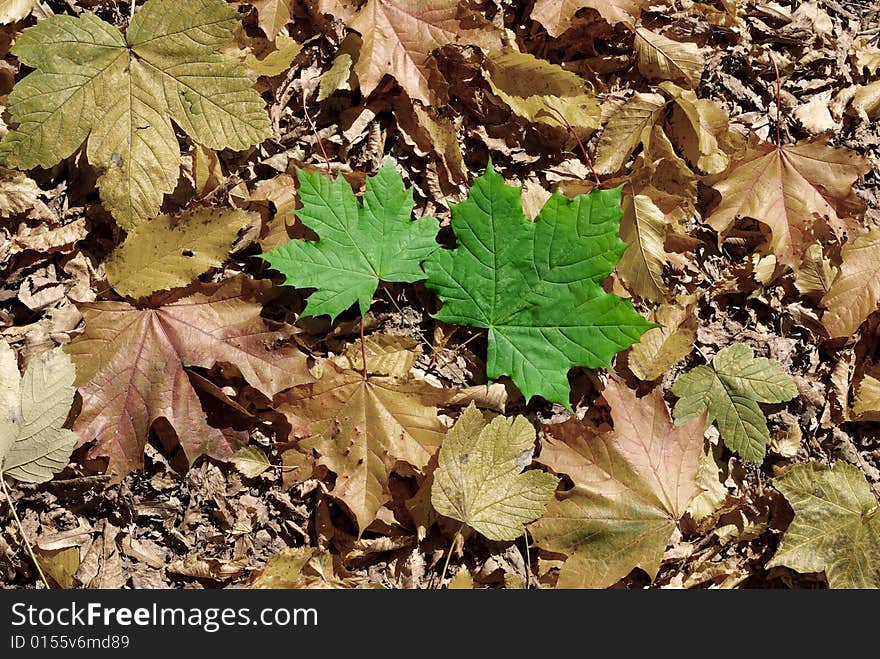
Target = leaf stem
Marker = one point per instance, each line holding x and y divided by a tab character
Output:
27	543
363	350
778	104
449	555
528	559
317	136
587	158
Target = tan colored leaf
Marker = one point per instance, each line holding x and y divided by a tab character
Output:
131	368
387	354
361	428
432	132
866	100
556	15
662	58
796	190
478	480
336	77
712	491
60	564
15	10
643	228
816	273
272	16
18	192
866	55
250	461
277	61
541	92
172	251
698	126
302	568
625	129
631	486
855	291
34	445
461	581
281	191
867	398
207	171
399	37
664	346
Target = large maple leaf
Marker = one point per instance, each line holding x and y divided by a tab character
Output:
131	368
631	486
362	427
536	286
793	189
400	36
123	91
556	15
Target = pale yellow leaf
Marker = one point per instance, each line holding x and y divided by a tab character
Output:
712	491
662	347
664	59
172	251
336	77
866	56
207	171
627	127
867	100
696	126
18	192
387	354
556	15
250	461
279	60
461	581
15	10
643	227
816	273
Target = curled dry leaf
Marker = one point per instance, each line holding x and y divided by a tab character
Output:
556	15
855	291
631	486
18	192
15	10
699	127
643	228
172	251
478	479
664	346
131	368
627	127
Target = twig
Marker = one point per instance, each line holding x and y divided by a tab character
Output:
317	137
27	543
778	105
449	555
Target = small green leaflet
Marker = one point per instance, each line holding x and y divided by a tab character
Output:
536	286
729	392
359	246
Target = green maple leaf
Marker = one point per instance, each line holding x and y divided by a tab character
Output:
122	92
728	392
836	526
359	246
536	286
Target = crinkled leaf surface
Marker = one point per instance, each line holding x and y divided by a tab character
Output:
662	347
836	526
478	479
173	250
33	408
631	486
360	244
627	127
855	291
536	285
729	391
361	428
122	92
131	368
556	15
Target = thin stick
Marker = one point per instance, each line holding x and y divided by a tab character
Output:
778	104
528	560
448	556
317	137
27	543
363	349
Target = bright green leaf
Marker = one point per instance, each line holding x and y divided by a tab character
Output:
729	392
360	244
33	444
536	286
478	479
122	92
836	525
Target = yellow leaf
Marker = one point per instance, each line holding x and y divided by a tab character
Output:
867	100
60	564
15	10
478	479
279	60
172	251
461	581
303	568
664	346
250	461
867	401
664	59
386	355
207	171
816	273
627	127
336	77
643	227
855	291
866	55
541	92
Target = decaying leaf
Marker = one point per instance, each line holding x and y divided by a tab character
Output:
478	480
536	285
627	127
855	291
360	244
643	228
662	347
131	369
400	36
305	567
541	92
728	393
836	527
361	428
796	190
631	486
18	192
556	15
664	59
34	445
122	92
172	251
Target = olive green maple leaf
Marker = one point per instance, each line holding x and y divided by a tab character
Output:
359	246
536	286
729	391
122	92
836	526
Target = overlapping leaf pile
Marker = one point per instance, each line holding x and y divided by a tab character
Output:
358	293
